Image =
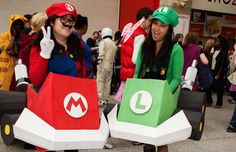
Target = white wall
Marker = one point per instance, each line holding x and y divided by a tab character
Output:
100	13
223	6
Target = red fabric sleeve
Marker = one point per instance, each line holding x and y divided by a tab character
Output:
38	67
81	67
83	64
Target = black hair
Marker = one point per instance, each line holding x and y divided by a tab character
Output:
224	43
199	42
73	43
150	58
28	16
177	36
117	36
17	22
96	32
143	12
110	37
81	21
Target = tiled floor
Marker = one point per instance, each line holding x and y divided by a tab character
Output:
214	139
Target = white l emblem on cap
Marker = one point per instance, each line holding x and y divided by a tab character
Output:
69	7
164	10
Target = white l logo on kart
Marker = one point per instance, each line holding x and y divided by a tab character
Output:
75	105
141	102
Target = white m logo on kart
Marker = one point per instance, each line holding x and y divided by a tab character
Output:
75	105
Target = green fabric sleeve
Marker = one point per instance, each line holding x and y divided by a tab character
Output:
138	62
175	67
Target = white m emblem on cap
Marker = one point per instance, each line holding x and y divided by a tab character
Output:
69	7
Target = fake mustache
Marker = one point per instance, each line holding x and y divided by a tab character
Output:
65	25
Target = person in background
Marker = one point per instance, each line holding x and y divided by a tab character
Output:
9	44
209	47
28	22
159	57
92	44
232	66
218	67
200	44
115	82
81	28
98	40
191	50
232	125
107	51
25	43
129	49
205	74
27	28
179	37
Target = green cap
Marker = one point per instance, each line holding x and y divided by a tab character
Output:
167	15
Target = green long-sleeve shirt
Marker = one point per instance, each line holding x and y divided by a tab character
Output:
175	66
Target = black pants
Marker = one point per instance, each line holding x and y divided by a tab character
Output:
218	87
233	95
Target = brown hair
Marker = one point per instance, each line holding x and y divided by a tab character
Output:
191	38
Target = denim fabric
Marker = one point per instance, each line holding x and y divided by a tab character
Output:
233	120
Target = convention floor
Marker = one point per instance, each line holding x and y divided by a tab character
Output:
214	139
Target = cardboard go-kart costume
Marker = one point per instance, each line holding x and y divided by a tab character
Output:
59	118
150	113
62	115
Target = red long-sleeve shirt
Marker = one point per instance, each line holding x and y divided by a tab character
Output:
38	68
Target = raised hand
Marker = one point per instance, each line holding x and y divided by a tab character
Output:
46	43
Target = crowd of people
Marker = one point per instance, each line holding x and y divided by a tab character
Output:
53	42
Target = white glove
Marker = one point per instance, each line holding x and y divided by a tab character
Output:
46	43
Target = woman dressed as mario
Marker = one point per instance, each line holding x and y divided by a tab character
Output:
56	49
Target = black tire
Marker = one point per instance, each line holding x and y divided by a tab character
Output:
193	101
7	122
197	121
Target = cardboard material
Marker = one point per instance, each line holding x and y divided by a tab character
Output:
197	121
7	122
192	100
147	102
66	102
174	129
11	102
32	129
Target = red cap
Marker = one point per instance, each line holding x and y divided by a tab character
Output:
61	9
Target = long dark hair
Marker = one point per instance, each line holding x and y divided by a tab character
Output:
74	45
150	58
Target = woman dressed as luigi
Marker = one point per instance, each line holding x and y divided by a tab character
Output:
159	57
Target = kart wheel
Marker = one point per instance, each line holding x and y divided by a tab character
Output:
197	121
7	122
